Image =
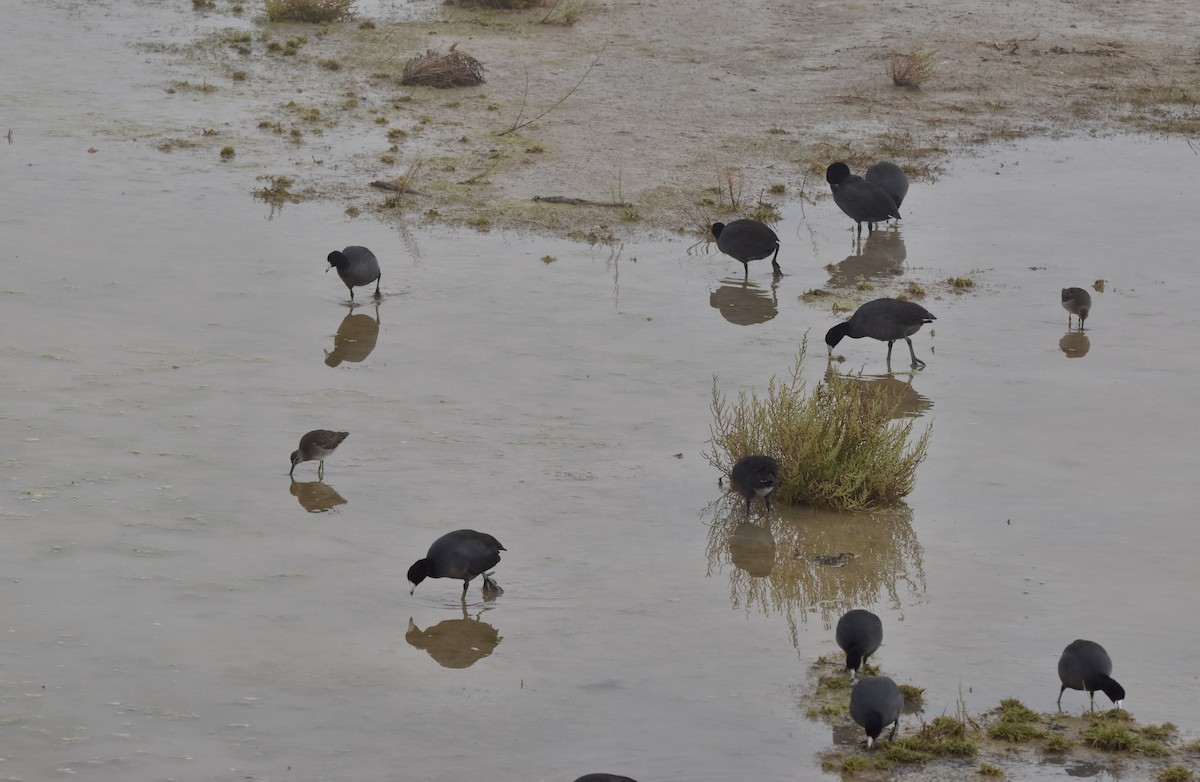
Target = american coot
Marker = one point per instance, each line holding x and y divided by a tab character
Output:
886	320
604	778
859	633
463	554
755	476
747	240
1085	665
315	446
891	178
863	201
875	702
356	266
1077	302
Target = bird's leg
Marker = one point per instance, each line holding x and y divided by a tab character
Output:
775	262
747	507
916	362
321	470
490	586
378	280
466	583
1061	690
895	727
746	268
889	357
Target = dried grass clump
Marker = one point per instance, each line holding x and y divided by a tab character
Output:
434	69
838	446
912	69
314	11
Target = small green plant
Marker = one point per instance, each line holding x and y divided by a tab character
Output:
777	188
1012	710
961	283
990	770
837	445
1192	747
1176	772
1110	737
1014	732
911	69
331	64
1056	743
228	153
277	190
313	11
238	76
915	290
863	285
566	12
1158	732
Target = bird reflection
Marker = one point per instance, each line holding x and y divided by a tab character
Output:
905	401
743	302
881	255
752	548
1075	344
355	338
316	496
455	643
824	562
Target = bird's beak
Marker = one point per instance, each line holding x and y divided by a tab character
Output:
413	587
1118	703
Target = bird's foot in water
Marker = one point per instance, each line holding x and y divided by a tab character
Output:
490	587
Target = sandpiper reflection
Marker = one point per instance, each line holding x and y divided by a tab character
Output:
316	496
455	643
1075	344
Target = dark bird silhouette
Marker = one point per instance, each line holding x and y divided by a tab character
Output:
463	554
1085	665
604	778
886	320
356	266
875	702
747	240
891	178
317	445
1077	302
755	476
859	633
863	201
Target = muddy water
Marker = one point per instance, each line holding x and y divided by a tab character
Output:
173	608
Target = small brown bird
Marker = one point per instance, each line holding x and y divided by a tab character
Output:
315	446
1077	302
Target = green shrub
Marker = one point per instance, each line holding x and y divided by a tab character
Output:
837	446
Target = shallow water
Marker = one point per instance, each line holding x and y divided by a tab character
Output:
172	609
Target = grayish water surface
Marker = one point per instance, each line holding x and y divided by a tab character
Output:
171	609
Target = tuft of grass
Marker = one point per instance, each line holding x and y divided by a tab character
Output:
1110	737
1012	710
915	290
1014	732
960	283
906	749
1176	772
228	153
837	445
990	770
913	695
1158	732
331	64
777	188
911	69
1098	286
277	190
1056	743
566	12
312	11
1192	747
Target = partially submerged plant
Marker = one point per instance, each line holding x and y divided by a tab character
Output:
442	71
837	445
314	11
911	69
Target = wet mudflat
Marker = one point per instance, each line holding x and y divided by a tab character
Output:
172	607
